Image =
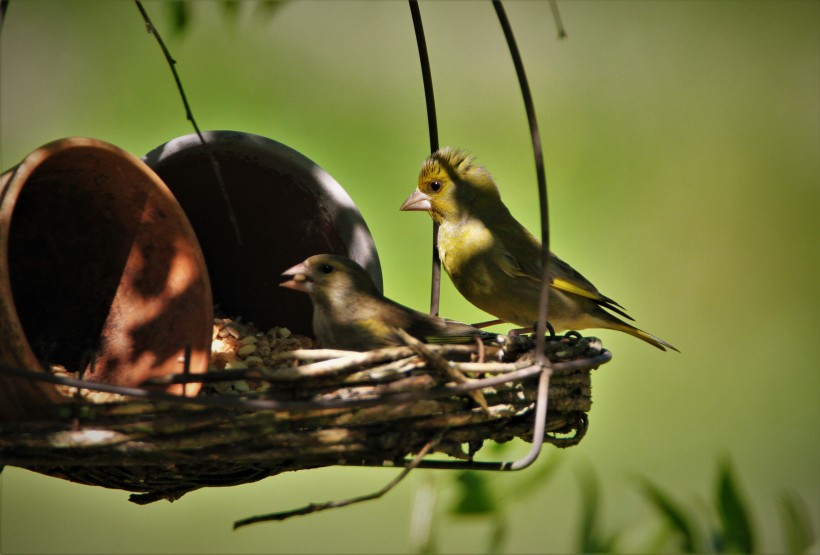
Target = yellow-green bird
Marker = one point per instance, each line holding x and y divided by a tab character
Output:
495	262
349	312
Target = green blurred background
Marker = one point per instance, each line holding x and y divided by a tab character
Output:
682	143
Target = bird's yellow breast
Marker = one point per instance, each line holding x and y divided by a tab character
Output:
470	254
465	249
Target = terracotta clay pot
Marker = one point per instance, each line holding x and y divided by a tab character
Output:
287	209
96	256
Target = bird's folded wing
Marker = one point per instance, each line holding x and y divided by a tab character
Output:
563	276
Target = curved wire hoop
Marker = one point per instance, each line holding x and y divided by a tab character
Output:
541	326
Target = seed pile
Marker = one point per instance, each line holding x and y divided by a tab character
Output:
236	344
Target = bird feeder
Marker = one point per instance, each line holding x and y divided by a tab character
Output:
111	266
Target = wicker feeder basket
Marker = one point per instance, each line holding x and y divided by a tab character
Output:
262	410
314	408
303	408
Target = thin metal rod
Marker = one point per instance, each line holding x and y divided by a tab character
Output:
525	461
541	327
186	368
432	126
540	423
429	97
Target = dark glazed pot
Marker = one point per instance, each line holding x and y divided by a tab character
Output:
96	256
287	208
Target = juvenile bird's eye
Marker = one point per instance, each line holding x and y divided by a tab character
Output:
326	269
435	186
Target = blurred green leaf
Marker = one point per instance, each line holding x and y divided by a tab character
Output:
535	477
495	448
498	535
230	8
180	15
736	534
476	498
180	11
591	539
423	521
677	518
4	6
474	495
269	7
797	528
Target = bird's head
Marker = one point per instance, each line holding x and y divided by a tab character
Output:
452	186
329	276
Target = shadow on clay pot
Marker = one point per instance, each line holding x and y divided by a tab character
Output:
287	208
96	256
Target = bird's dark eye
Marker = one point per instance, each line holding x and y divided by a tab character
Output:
435	186
326	269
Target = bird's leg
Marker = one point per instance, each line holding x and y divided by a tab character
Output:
520	331
487	324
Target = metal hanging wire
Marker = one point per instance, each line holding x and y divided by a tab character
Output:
541	360
432	126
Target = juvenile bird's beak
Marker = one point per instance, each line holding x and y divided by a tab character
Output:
300	278
416	201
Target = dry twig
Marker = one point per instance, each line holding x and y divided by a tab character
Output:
316	507
353	409
189	114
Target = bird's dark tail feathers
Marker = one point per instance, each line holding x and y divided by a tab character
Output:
640	334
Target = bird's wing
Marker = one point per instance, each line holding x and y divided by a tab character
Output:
442	330
374	332
521	258
568	279
432	329
517	252
365	321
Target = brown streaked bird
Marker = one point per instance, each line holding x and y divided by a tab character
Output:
495	263
349	312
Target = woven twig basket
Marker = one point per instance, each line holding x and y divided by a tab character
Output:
317	408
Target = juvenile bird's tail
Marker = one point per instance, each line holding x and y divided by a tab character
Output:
456	332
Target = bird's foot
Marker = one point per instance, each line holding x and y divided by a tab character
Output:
487	324
531	329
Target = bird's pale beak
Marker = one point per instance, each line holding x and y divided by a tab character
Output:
300	278
416	201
